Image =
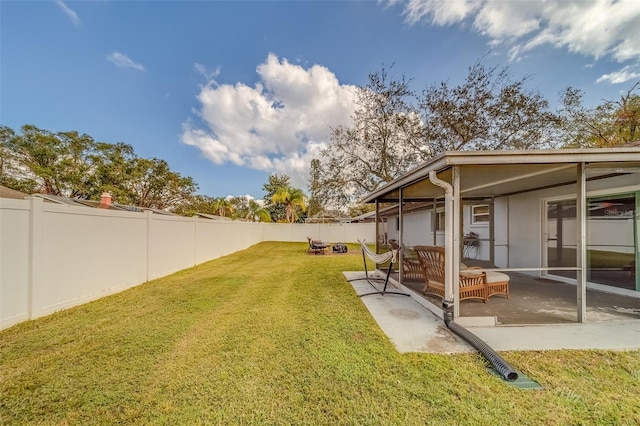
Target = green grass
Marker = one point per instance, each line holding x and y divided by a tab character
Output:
271	335
595	258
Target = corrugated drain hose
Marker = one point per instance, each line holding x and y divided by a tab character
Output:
492	356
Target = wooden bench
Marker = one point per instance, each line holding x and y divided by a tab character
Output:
472	284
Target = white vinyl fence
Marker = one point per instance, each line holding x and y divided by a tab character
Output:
53	257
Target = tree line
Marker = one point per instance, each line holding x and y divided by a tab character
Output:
394	129
74	165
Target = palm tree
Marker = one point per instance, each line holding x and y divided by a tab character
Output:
255	211
292	198
224	206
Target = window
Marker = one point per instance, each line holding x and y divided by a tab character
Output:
440	221
480	214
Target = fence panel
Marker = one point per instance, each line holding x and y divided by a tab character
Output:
172	244
327	232
86	254
55	256
14	261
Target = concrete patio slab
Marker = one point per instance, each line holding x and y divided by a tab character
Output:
410	326
413	328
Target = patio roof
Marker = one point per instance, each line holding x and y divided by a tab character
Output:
485	174
463	175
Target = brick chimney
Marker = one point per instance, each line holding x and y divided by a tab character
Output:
105	200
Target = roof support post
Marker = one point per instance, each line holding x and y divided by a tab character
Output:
377	224
581	242
492	232
400	235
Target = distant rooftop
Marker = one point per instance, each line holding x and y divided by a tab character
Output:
11	193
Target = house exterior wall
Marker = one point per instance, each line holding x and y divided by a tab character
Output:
519	224
525	230
417	229
500	232
53	257
527	216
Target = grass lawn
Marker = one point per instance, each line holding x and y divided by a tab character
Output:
271	335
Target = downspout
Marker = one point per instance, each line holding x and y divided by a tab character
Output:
448	232
492	356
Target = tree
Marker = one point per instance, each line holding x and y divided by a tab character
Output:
223	206
255	212
245	207
359	209
488	111
608	124
274	183
74	165
293	200
12	175
113	169
197	204
382	141
39	158
154	185
315	187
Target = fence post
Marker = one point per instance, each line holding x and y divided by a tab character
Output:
149	218
34	291
195	240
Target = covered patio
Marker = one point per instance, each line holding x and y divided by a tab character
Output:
551	216
539	301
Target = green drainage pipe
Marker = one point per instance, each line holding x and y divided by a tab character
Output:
492	356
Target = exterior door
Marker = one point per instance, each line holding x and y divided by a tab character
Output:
612	239
560	236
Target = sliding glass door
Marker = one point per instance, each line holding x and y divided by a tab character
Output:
612	239
560	236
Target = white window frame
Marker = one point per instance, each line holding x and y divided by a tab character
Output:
475	216
440	220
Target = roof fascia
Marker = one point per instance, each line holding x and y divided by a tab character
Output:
546	156
437	163
531	156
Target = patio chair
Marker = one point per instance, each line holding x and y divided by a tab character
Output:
411	267
472	284
316	246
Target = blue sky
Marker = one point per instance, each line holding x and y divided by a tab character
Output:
230	92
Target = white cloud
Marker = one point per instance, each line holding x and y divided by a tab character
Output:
70	13
622	76
123	61
278	125
597	28
438	12
207	73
